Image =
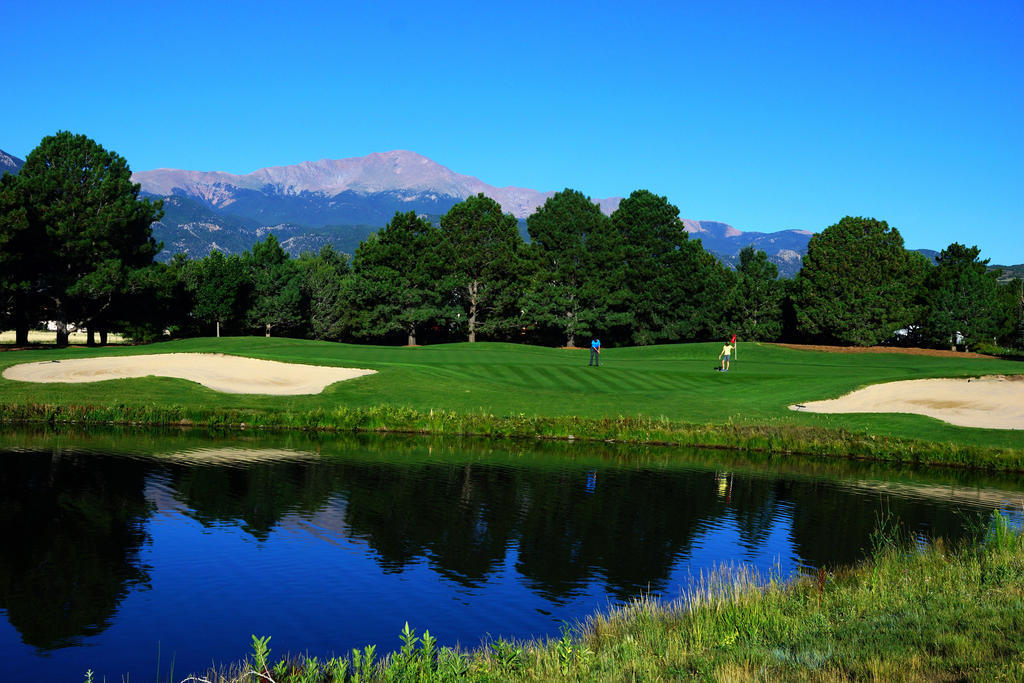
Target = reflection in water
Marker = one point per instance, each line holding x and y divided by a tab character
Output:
350	537
73	527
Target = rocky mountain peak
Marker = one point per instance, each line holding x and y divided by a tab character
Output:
406	174
9	163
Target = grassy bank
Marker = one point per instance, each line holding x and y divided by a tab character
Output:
769	438
175	444
907	613
643	394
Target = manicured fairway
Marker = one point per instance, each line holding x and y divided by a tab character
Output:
673	381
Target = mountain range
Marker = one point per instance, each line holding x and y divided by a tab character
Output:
297	192
342	201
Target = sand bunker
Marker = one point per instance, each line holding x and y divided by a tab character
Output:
230	374
995	402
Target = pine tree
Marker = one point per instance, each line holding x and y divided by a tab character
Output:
86	225
482	249
756	300
857	284
396	285
277	297
566	292
962	298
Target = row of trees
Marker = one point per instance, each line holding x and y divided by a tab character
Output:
76	247
858	284
633	278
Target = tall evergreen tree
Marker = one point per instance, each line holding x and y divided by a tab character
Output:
20	259
566	291
323	276
396	282
961	297
91	229
756	300
220	286
277	297
482	249
664	286
1010	313
857	284
1018	337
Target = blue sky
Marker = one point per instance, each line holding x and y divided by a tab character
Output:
764	115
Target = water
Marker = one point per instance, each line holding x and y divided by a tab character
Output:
125	551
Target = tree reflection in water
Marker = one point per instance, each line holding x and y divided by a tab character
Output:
462	512
567	516
73	528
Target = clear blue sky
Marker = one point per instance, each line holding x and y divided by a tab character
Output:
764	115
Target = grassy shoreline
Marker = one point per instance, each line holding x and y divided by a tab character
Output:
772	439
643	395
906	613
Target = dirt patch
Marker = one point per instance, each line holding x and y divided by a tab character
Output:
887	349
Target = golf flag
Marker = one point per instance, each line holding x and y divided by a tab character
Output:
733	342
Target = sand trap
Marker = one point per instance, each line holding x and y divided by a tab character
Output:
230	374
995	402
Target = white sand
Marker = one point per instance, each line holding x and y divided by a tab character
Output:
995	402
230	374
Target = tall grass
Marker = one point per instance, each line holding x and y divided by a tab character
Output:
909	612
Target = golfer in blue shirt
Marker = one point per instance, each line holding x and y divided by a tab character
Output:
595	351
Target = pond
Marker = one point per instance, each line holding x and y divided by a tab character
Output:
129	552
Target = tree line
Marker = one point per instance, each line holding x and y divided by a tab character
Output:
76	248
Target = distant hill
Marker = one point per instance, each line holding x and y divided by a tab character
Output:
344	238
9	163
1009	272
188	227
785	248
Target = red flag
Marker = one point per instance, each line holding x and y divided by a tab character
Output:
733	340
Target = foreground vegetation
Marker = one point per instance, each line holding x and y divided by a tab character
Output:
904	614
666	394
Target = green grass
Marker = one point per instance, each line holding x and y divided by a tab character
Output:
936	613
662	389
